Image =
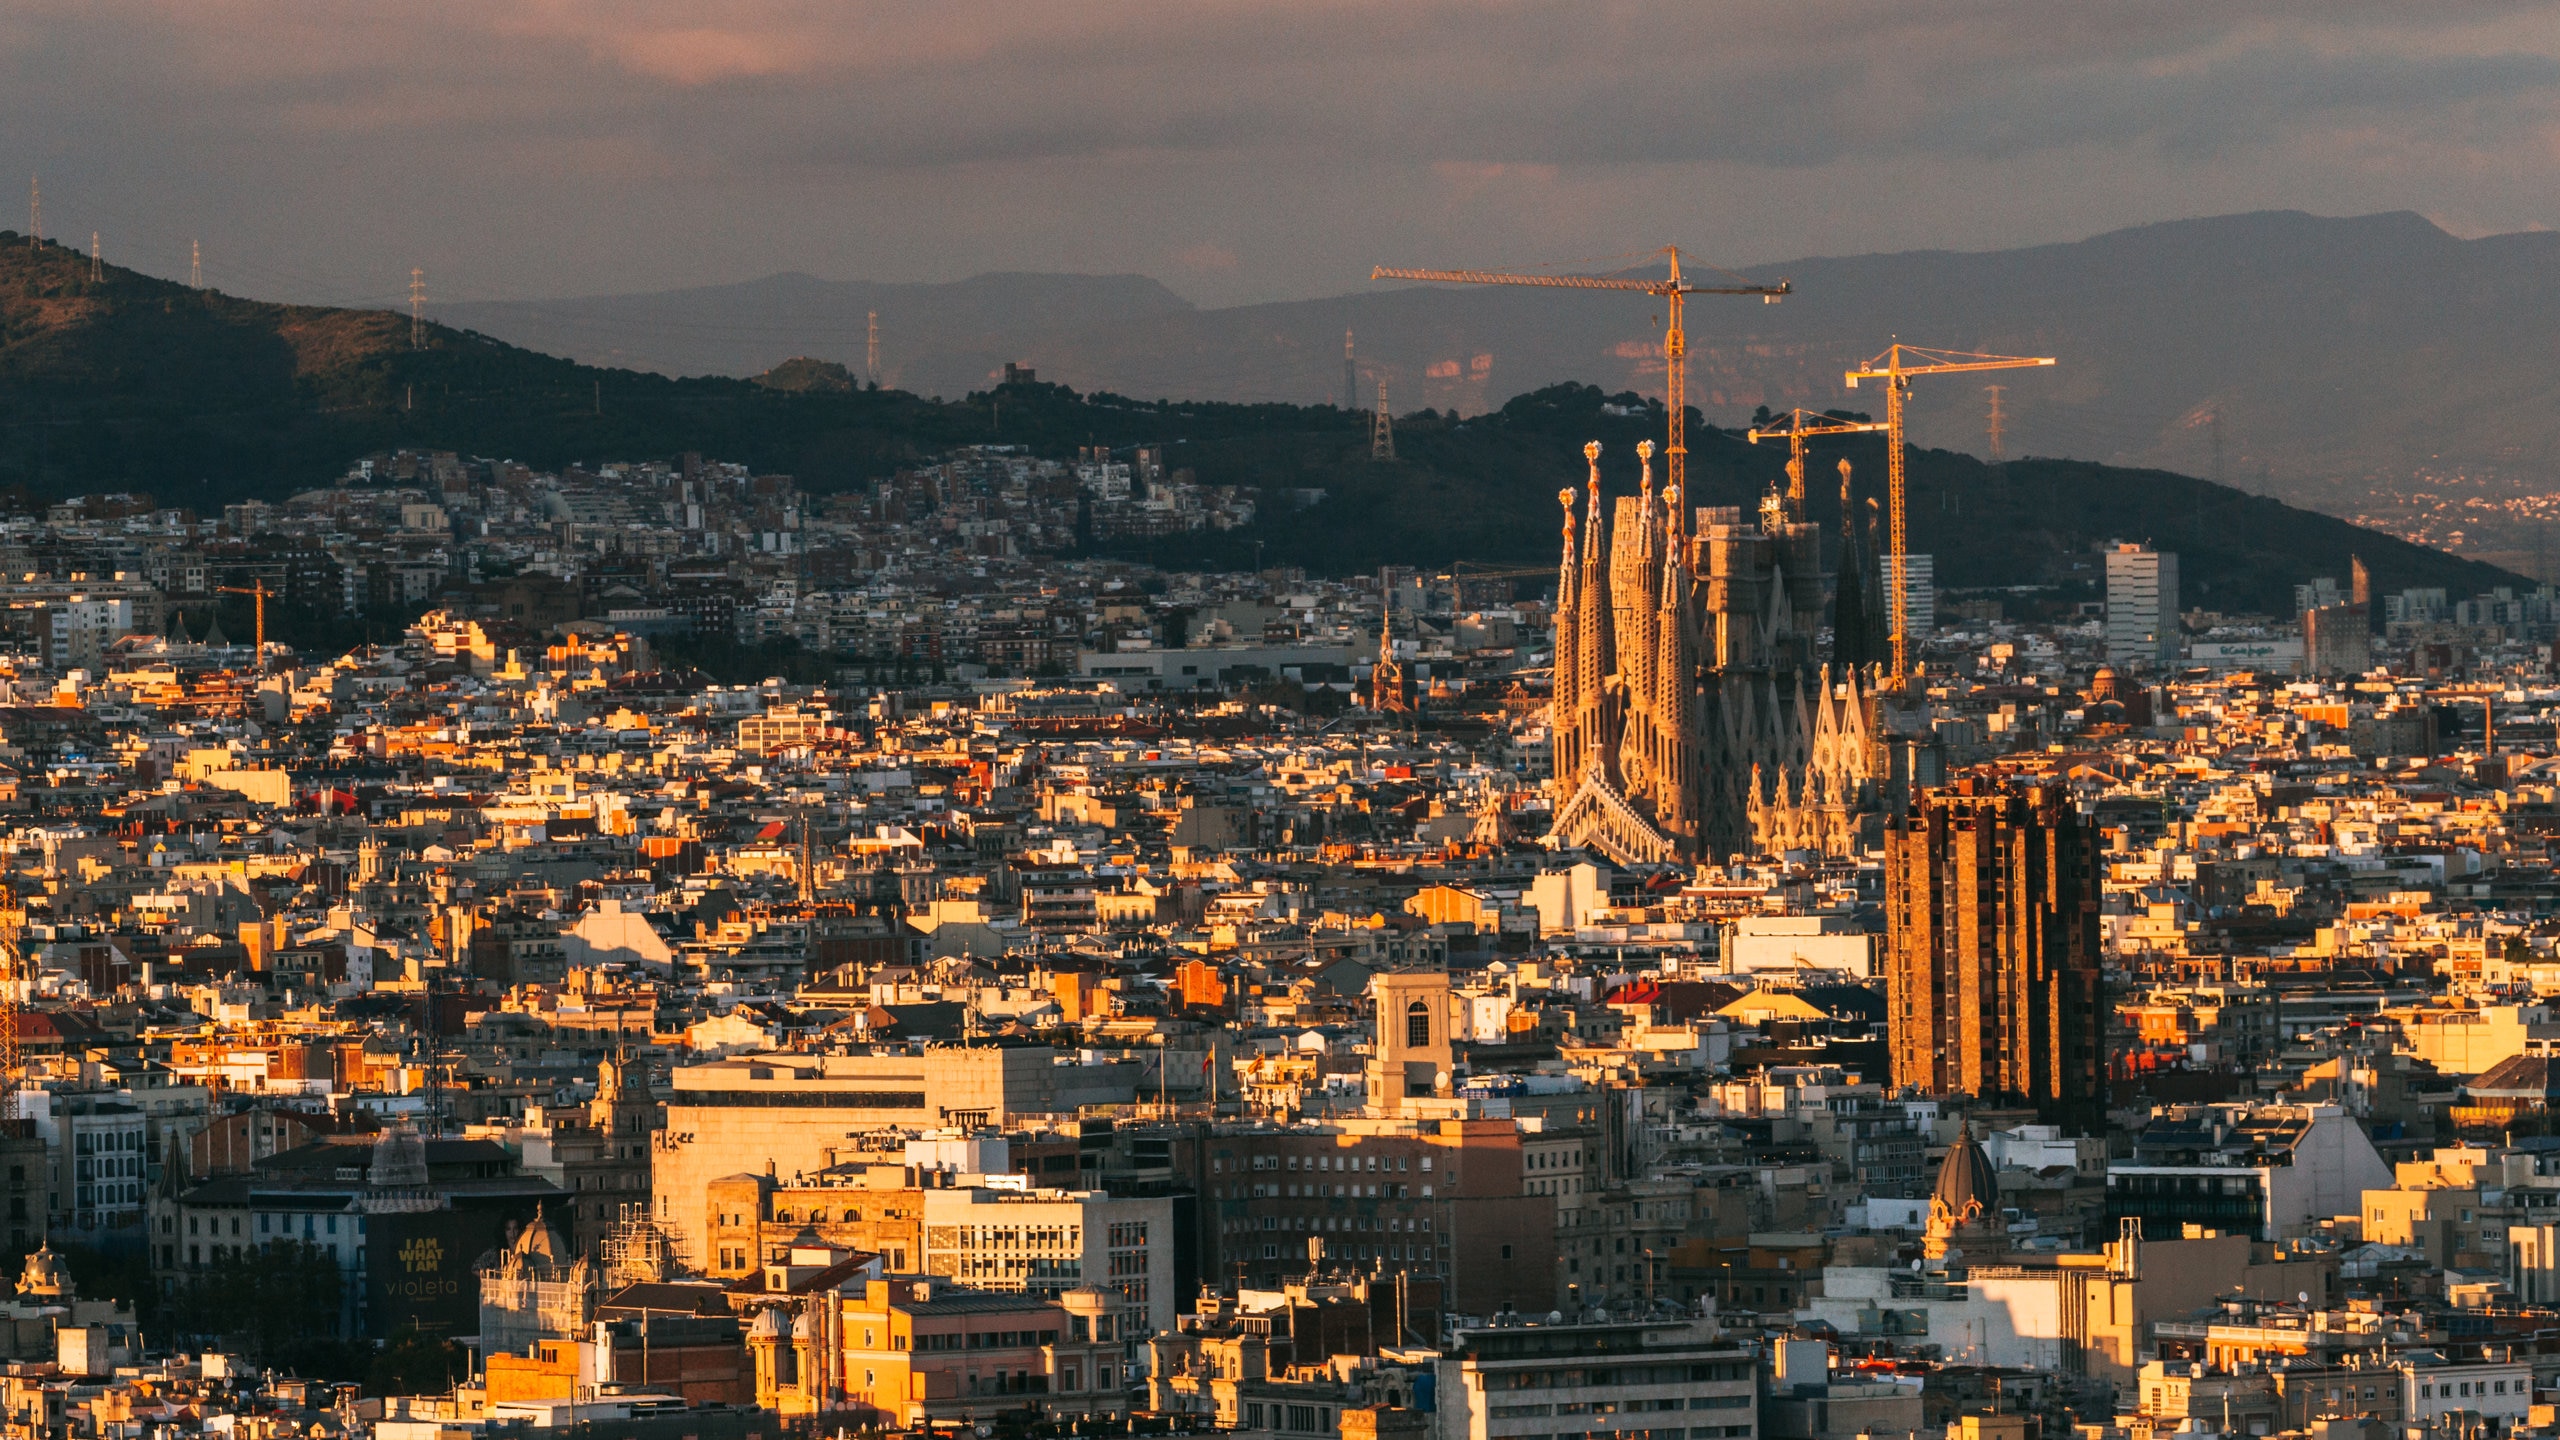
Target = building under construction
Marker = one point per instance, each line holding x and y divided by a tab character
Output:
1992	964
1690	718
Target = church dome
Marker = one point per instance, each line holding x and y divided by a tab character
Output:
536	1243
1967	1188
768	1325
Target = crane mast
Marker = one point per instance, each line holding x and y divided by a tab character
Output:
1672	291
1803	425
1895	367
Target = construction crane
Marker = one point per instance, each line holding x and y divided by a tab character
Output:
13	1059
1895	367
1803	425
257	588
1672	290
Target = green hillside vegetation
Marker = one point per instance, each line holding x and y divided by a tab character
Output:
135	383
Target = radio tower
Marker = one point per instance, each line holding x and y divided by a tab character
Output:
1382	427
418	308
35	213
95	272
871	353
1998	453
1350	376
195	264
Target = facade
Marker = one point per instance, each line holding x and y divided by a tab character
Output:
1688	717
2274	1172
1047	1242
2337	639
918	1351
1918	577
1445	1200
1616	1377
795	1113
2142	607
1992	967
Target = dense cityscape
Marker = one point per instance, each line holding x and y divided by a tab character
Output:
747	721
1392	1004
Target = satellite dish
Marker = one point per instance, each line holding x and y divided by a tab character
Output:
1555	1317
2302	1296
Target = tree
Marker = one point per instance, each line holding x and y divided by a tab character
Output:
414	1363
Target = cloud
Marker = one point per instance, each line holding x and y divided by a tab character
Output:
1263	149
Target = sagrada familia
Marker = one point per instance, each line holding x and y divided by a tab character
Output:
1692	717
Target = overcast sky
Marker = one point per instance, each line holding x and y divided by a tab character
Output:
1237	152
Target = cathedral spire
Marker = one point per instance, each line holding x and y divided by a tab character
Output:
1594	645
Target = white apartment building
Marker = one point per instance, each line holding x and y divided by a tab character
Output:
2142	607
1918	577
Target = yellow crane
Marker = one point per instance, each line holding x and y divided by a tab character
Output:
259	589
1672	291
13	1059
1895	367
1803	425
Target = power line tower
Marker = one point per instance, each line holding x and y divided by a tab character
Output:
417	308
35	213
871	353
96	271
195	264
1999	425
1382	427
1350	375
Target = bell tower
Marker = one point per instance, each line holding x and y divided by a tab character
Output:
1409	1052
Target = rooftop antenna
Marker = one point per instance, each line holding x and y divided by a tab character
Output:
417	308
871	353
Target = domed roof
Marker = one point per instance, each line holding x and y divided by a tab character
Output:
536	1242
1967	1187
768	1325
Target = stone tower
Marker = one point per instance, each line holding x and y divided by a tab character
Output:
1409	1055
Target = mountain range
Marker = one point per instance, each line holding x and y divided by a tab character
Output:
2339	363
127	382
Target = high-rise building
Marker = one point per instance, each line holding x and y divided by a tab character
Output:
2142	607
2337	639
1992	968
1918	577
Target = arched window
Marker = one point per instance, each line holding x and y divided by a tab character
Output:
1417	1023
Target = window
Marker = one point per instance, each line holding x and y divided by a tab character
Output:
1417	1026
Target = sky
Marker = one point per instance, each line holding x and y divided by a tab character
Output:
1237	152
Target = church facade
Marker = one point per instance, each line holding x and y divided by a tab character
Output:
1690	716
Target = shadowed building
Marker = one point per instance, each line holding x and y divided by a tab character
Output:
1991	909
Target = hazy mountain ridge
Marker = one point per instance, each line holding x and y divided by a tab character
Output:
2339	354
132	383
